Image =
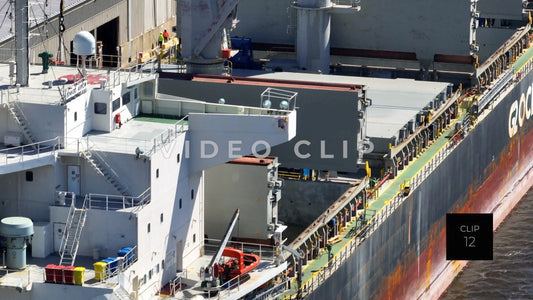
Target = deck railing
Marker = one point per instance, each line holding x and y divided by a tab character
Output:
378	218
116	202
27	152
168	136
265	252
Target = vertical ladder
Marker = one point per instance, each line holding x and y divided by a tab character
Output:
102	168
19	117
72	232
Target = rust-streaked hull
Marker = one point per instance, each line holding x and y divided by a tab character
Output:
498	194
405	258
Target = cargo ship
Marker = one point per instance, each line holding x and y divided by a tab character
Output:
398	123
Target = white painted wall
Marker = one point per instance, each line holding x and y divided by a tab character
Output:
133	173
7	123
42	245
108	231
9	196
25	198
233	136
78	115
43	120
183	223
101	122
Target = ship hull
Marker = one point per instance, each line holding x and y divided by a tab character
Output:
405	258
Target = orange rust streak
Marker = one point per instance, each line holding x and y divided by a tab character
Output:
404	282
279	83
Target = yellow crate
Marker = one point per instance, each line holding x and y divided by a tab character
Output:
79	275
99	270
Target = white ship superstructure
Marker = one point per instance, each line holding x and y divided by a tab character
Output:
95	165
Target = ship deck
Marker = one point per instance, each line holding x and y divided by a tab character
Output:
138	132
188	286
385	195
191	282
35	272
45	88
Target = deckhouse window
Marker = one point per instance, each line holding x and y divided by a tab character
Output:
116	104
100	108
126	98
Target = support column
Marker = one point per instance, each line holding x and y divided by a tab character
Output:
21	41
313	32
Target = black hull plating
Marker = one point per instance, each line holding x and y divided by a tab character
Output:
398	259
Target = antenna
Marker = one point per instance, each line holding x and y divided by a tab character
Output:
84	45
61	48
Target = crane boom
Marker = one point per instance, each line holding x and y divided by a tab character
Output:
227	235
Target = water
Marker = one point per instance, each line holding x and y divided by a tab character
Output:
510	274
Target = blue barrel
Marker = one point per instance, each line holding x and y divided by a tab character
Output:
127	254
112	264
307	174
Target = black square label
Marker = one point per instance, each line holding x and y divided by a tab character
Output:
469	236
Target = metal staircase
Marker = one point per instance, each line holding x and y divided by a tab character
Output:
19	117
102	168
71	235
121	293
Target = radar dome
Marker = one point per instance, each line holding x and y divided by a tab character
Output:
84	43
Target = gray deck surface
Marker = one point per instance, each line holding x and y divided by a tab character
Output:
394	101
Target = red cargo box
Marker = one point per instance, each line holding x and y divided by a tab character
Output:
226	53
58	273
50	273
68	274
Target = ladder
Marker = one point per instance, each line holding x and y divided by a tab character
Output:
102	168
72	232
19	117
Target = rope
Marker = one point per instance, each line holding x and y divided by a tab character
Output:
7	12
41	34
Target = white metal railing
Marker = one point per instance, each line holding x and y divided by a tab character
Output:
74	225
27	152
273	292
113	144
6	97
21	281
115	267
169	135
116	202
176	284
136	72
265	252
286	99
352	3
124	145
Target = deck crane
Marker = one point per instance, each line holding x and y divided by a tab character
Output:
207	273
